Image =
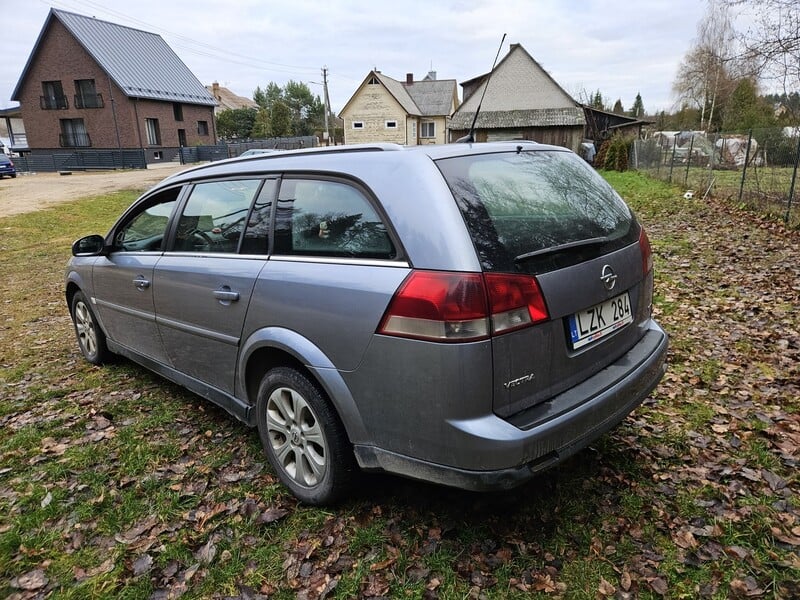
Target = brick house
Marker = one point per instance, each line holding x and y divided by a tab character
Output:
521	102
410	112
91	84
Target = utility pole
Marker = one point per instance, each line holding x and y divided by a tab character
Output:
327	105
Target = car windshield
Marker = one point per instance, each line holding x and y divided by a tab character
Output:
537	210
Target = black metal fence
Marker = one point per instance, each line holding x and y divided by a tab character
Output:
90	159
81	160
758	169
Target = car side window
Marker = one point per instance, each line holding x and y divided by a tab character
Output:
256	234
328	218
214	216
146	230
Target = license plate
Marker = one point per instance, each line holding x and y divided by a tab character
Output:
600	320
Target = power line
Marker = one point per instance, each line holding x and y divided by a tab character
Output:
189	44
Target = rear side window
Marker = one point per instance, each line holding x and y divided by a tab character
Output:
328	219
537	211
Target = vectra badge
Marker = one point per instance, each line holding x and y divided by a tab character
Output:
608	277
519	381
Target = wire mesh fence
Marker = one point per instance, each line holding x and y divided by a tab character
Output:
758	169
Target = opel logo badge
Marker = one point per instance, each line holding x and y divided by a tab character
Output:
608	277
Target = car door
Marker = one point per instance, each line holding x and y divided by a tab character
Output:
123	280
203	284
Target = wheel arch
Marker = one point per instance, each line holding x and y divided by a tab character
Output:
273	347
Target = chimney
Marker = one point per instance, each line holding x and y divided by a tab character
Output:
409	79
215	89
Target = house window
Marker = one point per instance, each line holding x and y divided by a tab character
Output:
391	124
373	81
52	97
358	124
177	110
153	132
86	95
202	127
73	134
428	129
414	131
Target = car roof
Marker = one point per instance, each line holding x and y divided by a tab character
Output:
292	159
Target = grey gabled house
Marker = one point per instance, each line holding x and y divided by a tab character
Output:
522	102
92	84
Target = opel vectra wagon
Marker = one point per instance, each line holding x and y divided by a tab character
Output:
466	314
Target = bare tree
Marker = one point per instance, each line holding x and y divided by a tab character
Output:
706	75
771	45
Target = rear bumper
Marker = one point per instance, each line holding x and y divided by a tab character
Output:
507	452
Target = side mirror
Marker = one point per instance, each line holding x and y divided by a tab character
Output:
91	245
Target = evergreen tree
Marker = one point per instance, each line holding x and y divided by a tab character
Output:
637	110
236	123
746	109
292	110
618	109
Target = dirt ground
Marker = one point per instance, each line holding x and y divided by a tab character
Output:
31	192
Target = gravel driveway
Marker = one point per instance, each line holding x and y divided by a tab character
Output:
31	192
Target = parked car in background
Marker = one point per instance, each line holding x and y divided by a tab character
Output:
258	151
467	314
7	168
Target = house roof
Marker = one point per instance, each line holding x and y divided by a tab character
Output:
520	93
398	91
227	99
139	62
426	98
433	97
514	119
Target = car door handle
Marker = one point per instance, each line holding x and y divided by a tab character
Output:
225	295
141	283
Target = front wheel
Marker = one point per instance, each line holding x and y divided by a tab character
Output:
91	339
303	437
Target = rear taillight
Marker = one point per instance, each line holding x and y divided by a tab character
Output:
459	307
647	253
515	300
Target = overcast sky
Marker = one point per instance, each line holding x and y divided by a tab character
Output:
619	47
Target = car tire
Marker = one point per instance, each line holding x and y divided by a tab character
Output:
303	437
91	339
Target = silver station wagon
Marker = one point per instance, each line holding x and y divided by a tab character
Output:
467	314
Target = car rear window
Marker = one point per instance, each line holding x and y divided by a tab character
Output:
535	211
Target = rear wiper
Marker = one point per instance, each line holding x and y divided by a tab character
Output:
561	248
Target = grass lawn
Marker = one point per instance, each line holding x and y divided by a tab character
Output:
117	484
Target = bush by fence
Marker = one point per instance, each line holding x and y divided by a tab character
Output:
758	169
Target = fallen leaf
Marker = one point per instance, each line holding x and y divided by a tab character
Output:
142	565
33	580
605	589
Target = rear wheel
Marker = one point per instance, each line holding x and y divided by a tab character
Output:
303	437
91	339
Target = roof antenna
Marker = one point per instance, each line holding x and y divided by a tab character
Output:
470	137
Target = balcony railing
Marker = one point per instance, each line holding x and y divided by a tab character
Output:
74	140
53	102
89	101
